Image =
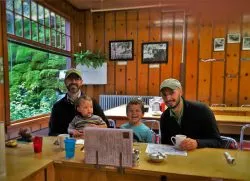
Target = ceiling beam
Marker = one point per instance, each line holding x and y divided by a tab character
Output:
134	7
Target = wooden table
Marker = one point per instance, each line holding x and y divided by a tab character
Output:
200	164
237	111
23	164
228	124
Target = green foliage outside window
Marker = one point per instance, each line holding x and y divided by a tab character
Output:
34	81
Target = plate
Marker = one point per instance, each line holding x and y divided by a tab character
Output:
156	113
156	157
156	160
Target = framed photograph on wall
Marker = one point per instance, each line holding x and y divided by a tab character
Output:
121	50
219	44
246	43
233	38
155	52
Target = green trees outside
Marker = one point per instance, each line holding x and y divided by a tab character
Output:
34	80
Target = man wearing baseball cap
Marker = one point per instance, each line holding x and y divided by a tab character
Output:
64	110
192	119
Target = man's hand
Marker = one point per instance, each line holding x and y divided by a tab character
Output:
188	144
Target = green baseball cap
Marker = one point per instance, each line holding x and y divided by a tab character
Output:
73	71
170	83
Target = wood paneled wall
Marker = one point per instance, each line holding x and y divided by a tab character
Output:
2	102
222	81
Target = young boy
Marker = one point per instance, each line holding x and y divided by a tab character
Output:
85	117
135	112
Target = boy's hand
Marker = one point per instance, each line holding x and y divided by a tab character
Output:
77	133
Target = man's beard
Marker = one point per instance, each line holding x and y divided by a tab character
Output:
177	103
73	88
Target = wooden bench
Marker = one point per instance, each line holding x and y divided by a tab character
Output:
238	111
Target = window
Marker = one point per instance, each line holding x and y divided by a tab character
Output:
35	74
36	80
30	20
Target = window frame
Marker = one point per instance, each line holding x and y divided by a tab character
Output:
37	43
33	44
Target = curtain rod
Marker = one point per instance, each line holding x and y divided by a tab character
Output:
132	8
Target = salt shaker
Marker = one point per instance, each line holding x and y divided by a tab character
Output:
135	157
229	158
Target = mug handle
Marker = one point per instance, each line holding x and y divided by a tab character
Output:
173	140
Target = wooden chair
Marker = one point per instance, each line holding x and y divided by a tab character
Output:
244	144
152	124
112	123
229	143
218	105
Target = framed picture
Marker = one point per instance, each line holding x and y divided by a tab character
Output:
121	50
246	43
219	44
155	52
233	38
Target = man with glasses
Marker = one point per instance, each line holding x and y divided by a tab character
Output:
193	119
64	110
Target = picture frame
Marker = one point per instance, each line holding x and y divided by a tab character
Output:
219	44
233	38
120	50
155	52
246	43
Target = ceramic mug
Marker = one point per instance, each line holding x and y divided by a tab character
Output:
177	139
61	138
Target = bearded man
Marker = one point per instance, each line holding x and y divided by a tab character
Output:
193	119
64	110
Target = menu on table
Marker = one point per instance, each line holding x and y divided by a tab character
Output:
106	146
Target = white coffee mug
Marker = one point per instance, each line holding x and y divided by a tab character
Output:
61	138
177	139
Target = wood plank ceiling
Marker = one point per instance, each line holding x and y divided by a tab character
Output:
118	4
190	5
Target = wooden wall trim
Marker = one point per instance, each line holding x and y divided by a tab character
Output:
5	63
2	103
32	125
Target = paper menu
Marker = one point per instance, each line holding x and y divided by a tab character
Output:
164	149
106	146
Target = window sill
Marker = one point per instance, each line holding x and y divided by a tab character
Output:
32	125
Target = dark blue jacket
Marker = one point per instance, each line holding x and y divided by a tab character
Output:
198	122
63	113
